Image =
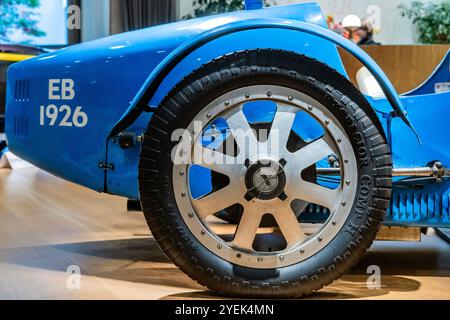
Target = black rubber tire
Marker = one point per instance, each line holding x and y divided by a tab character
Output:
266	67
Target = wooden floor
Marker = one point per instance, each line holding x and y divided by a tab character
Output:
47	225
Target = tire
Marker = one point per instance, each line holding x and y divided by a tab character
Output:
372	188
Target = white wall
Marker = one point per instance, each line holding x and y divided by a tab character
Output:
394	28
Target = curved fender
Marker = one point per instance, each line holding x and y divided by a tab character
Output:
150	87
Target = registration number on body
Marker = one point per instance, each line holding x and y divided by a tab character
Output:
63	115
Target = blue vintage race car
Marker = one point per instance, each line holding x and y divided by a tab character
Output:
247	117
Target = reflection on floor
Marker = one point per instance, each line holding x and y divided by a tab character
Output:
47	226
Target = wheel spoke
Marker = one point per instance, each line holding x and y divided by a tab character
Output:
330	141
313	193
300	207
281	129
247	230
290	227
218	162
243	133
308	156
216	201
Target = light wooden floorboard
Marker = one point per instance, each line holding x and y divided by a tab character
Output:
47	225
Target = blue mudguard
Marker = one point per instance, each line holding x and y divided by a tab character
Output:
157	77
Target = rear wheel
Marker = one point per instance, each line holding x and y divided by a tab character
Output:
258	130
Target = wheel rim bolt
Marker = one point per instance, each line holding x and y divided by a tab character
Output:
291	98
310	108
247	95
239	255
282	258
190	215
260	259
302	251
203	232
183	195
320	239
227	103
327	122
347	182
209	115
269	94
344	203
334	223
219	246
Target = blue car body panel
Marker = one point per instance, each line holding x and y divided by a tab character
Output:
412	206
425	207
108	73
111	75
160	73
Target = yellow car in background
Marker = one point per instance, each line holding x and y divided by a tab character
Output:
10	54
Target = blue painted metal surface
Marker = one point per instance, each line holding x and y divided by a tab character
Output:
158	75
111	76
427	206
413	205
410	206
107	74
427	113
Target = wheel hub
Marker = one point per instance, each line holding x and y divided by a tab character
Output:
265	180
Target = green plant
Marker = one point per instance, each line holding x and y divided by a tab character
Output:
432	20
204	8
19	15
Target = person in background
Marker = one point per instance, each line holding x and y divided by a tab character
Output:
365	35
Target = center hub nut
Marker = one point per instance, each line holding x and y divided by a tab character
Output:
265	180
